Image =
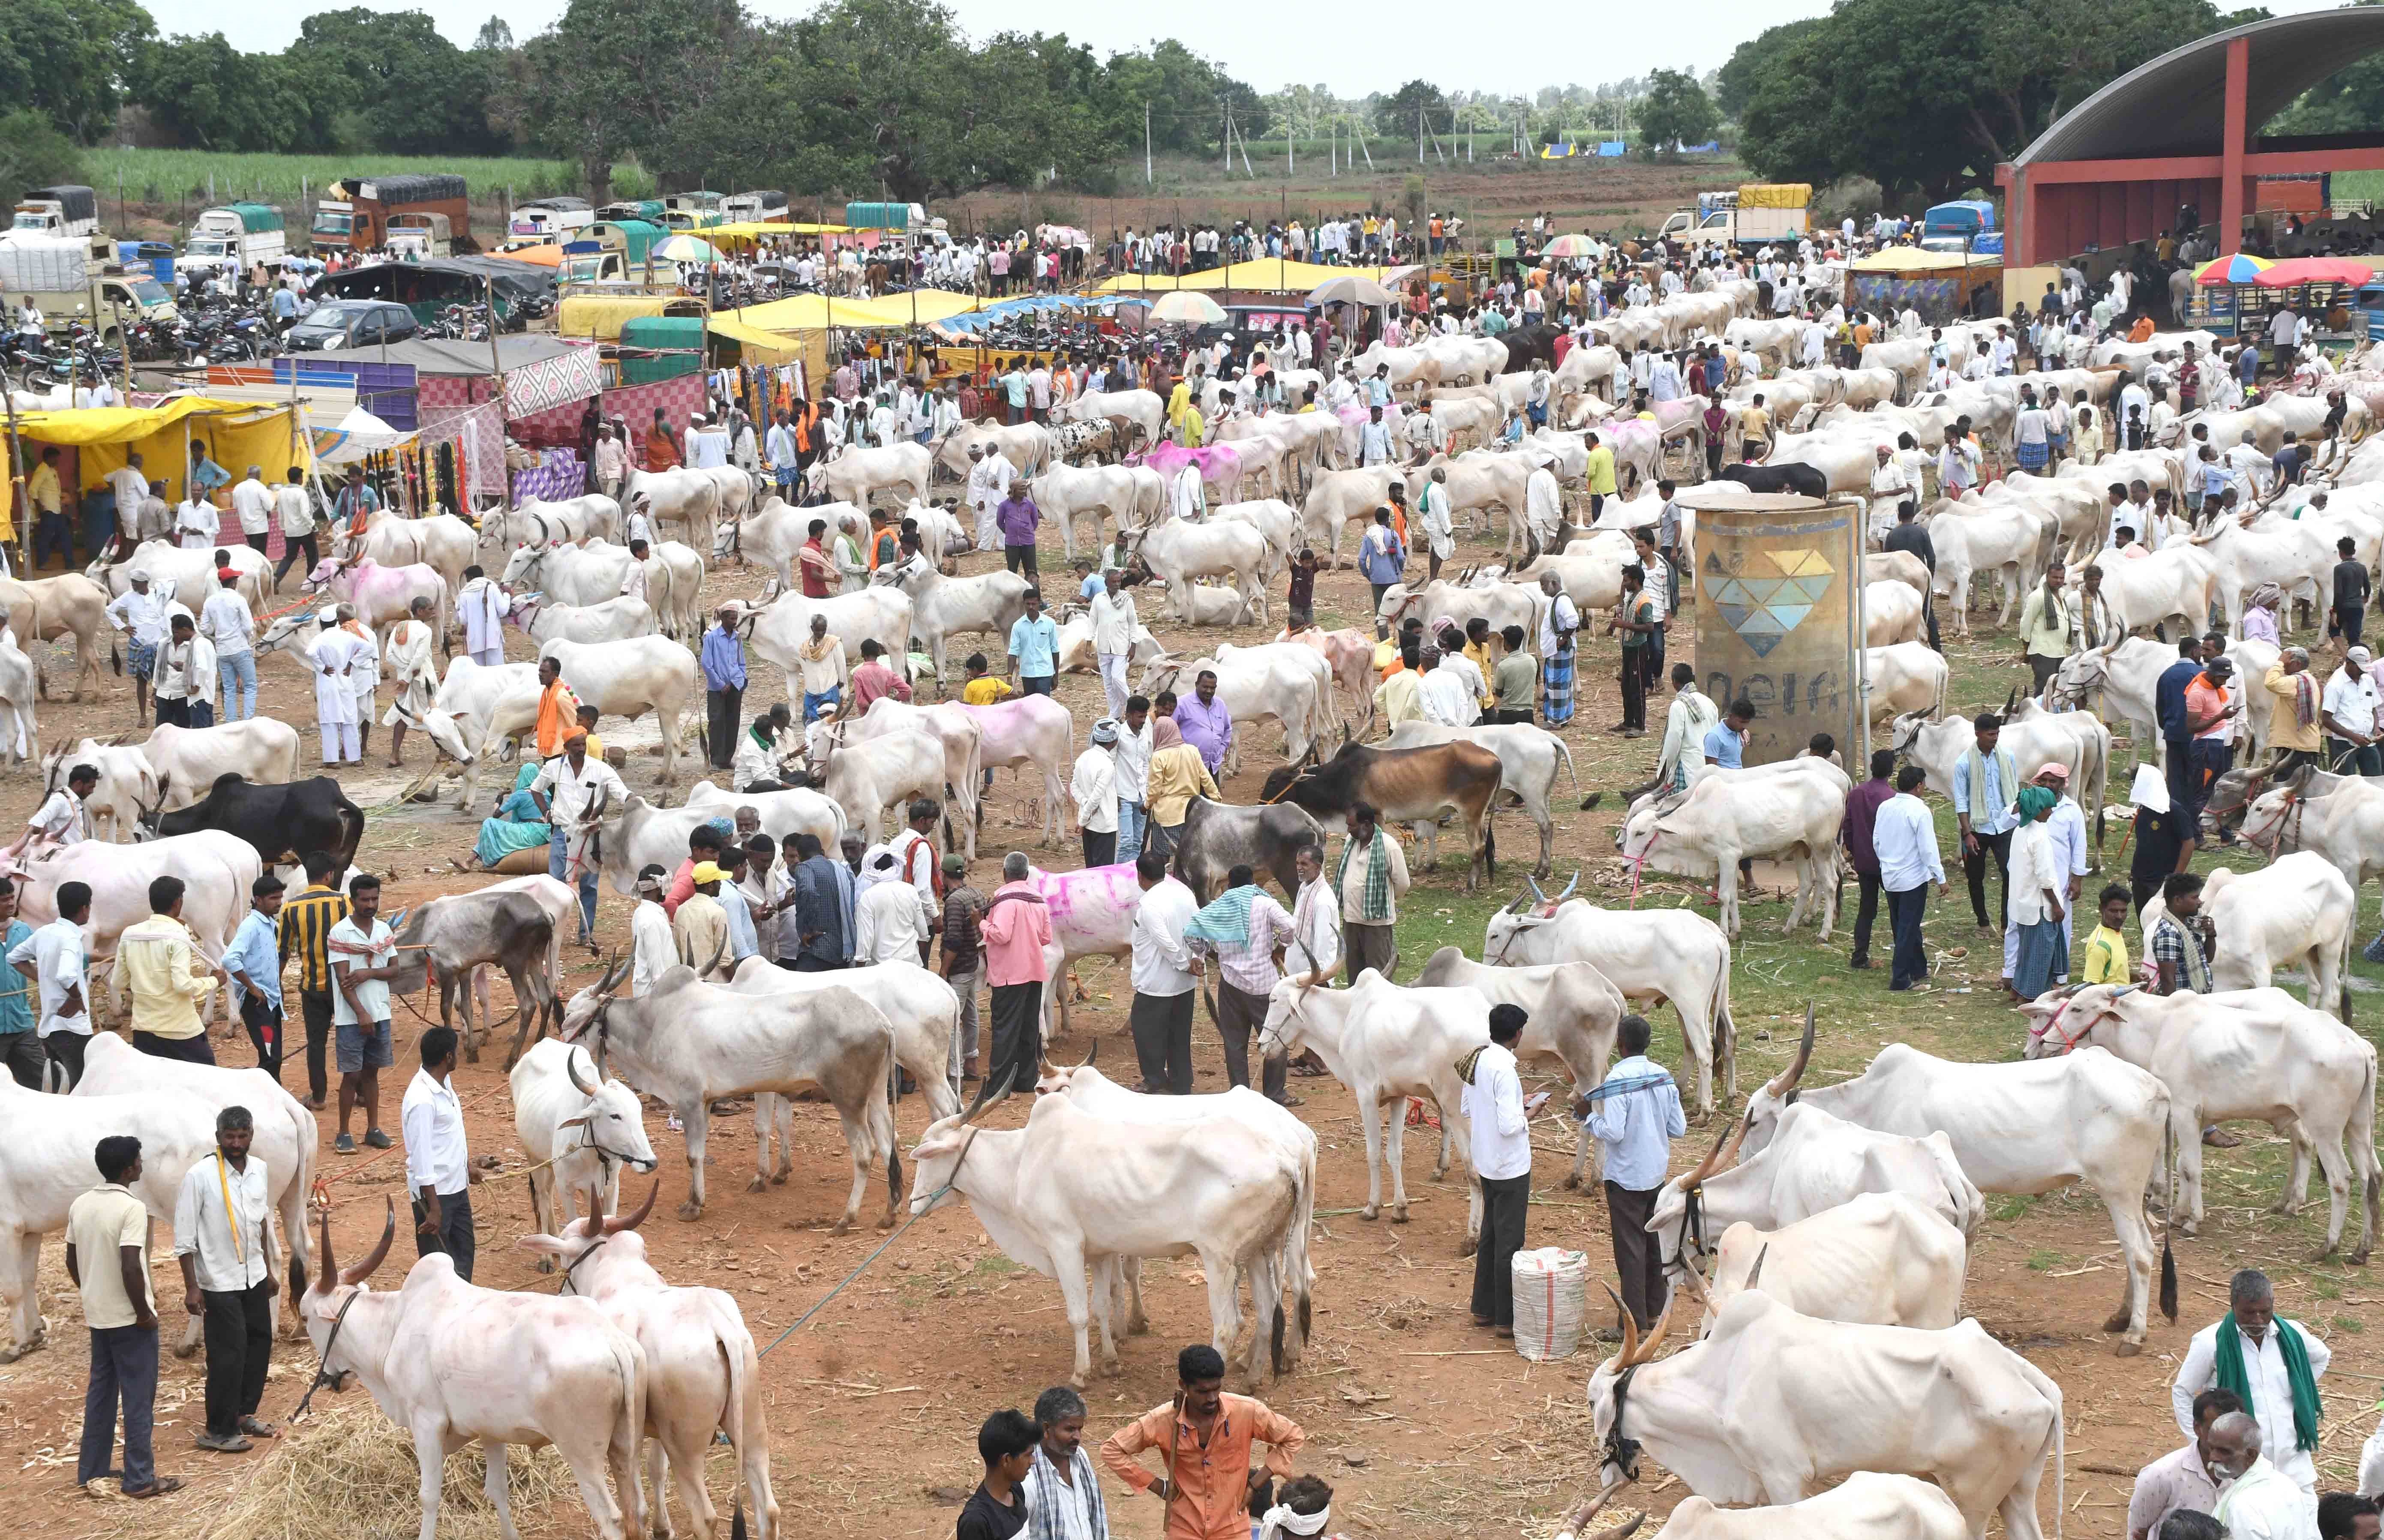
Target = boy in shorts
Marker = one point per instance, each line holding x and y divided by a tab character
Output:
362	960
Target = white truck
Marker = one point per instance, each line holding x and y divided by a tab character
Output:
67	284
1756	214
55	211
236	235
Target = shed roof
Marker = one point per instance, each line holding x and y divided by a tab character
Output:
2176	104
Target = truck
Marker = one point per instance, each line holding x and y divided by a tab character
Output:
901	224
1755	213
67	284
756	208
55	211
1964	225
420	237
234	236
544	220
354	213
615	250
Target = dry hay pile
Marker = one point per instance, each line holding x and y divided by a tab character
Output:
350	1472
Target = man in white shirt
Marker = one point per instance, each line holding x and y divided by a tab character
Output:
2260	1356
2256	1500
1133	747
1093	790
294	510
336	656
1314	955
196	524
130	485
890	922
1114	623
1501	1154
438	1169
1163	976
416	675
1635	1115
653	953
570	789
51	961
1447	698
363	955
482	606
140	612
186	677
251	501
223	1238
229	628
1904	838
988	488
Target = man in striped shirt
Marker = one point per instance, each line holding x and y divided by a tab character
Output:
305	927
1243	929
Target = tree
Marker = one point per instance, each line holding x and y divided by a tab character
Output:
1187	95
209	94
1418	101
34	153
1735	81
495	36
411	90
604	81
1676	112
68	59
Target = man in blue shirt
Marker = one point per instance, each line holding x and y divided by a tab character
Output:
1381	556
2168	709
254	961
1635	1112
1986	782
724	684
1725	743
20	1046
1035	648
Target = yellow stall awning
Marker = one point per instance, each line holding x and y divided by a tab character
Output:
236	434
1262	275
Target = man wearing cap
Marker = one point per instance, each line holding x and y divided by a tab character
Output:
700	928
417	676
142	613
353	505
988	488
2350	706
228	626
333	659
652	950
890	921
964	961
571	792
1093	788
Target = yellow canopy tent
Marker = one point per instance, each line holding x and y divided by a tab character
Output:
808	348
1912	259
1263	275
757	229
602	315
814	312
235	434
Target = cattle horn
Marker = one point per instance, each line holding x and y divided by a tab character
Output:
992	1092
1753	1274
1630	1327
1580	1517
571	1067
615	1224
350	1276
1712	1161
1536	891
705	972
1569	887
1090	1054
1655	1337
1784	1083
2011	701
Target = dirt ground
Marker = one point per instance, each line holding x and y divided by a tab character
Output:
1426	1425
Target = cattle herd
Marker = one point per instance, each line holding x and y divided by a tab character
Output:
1823	1236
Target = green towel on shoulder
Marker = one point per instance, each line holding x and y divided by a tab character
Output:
2230	1374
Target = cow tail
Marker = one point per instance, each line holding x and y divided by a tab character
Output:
115	658
302	1186
2060	1467
630	1427
2168	1222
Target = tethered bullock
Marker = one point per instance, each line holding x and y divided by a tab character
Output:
1421	786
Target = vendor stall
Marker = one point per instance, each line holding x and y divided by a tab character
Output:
1942	287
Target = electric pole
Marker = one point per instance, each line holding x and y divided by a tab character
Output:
1145	144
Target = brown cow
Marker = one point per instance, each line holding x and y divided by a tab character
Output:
1421	786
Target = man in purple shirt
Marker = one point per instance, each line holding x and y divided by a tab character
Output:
723	683
1018	517
1862	813
1205	723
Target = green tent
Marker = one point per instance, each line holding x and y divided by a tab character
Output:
661	347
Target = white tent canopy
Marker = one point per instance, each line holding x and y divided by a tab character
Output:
359	433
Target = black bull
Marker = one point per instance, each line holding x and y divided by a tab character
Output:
1217	837
284	822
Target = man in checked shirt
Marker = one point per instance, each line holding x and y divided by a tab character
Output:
1243	929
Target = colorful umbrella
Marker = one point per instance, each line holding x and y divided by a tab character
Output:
2295	271
2238	268
687	249
1567	246
1188	304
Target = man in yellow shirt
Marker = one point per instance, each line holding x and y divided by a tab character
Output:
43	490
2295	721
2105	961
984	689
1599	475
167	979
1399	696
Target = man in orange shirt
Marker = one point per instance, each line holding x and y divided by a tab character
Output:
558	709
1204	1438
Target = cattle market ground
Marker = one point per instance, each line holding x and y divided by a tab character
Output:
1426	1425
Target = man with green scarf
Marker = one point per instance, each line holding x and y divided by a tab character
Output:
1369	886
1243	929
2271	1363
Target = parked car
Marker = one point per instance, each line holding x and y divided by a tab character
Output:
337	323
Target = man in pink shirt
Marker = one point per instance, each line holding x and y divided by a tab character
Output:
875	678
1016	928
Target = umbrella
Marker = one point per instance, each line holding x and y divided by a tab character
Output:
683	246
2296	271
1188	304
1567	246
2238	268
1351	289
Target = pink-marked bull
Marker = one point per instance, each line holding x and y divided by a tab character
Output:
383	595
1222	466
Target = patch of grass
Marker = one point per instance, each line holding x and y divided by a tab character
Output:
2010	1206
165	176
2351	1324
2325	1289
2045	1261
996	1265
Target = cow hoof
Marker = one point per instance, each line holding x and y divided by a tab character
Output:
182	1349
1572	1182
1399	1215
510	1061
1139	1327
2324	1253
2120	1319
778	1178
1370	1213
690	1212
1471	1245
546	1264
2357	1259
2127	1350
843	1226
2189	1227
757	1184
1077	1382
11	1354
